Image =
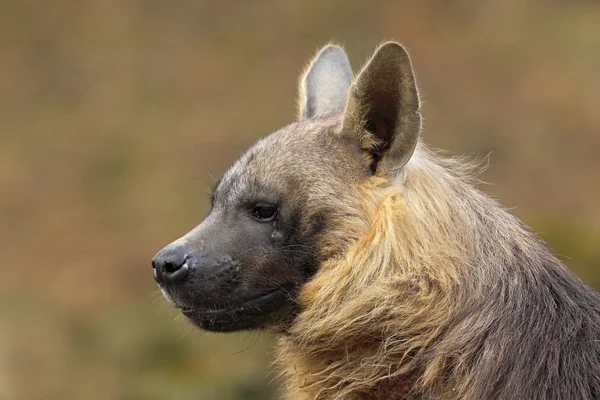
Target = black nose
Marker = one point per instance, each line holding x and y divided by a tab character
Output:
170	264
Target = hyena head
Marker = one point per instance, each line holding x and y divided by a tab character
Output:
284	206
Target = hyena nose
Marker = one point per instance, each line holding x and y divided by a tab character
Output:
170	264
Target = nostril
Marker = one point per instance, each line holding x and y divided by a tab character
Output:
171	267
175	273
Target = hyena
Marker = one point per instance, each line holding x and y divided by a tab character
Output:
383	271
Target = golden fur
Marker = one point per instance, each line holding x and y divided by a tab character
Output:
371	314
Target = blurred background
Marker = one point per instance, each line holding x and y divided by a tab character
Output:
115	114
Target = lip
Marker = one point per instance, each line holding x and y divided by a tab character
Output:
246	315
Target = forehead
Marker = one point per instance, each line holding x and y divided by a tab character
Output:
280	160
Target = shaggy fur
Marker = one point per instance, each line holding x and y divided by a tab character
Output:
429	289
441	293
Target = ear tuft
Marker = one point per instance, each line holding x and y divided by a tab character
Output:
384	104
325	83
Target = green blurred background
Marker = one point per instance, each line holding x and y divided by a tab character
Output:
115	113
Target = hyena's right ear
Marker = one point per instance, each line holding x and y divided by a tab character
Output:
325	83
383	109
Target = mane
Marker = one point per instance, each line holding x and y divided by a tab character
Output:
436	291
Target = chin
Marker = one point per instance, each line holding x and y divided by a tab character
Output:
264	311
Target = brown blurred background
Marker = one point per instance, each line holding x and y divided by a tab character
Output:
114	114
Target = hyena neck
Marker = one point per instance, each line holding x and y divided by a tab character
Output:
414	301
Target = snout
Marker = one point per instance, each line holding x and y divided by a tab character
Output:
191	275
224	274
170	264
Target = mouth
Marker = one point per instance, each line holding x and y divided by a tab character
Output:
250	314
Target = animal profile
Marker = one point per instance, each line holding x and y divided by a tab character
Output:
382	269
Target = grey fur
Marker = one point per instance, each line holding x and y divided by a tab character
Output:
325	83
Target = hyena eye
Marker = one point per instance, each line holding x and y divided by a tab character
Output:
264	212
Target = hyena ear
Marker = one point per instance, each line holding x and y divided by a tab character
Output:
325	82
383	108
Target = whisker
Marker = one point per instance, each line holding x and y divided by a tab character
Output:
251	344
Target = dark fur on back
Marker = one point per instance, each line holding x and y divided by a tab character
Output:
534	334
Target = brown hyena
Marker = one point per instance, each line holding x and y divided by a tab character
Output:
381	268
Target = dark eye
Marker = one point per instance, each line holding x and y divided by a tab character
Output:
264	212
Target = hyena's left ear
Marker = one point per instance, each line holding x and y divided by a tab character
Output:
325	83
383	109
